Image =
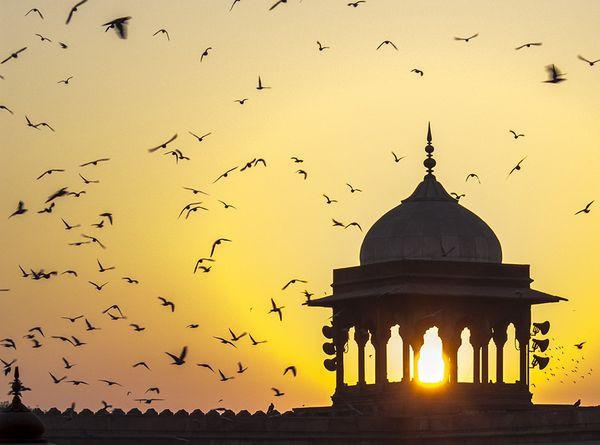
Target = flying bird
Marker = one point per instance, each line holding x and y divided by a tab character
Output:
329	200
200	261
355	4
130	280
586	209
225	341
223	377
580	345
35	10
355	224
4	107
276	309
260	85
95	162
56	380
396	158
180	359
200	138
241	369
94	240
528	45
352	189
119	25
144	364
337	223
164	144
205	365
457	196
101	268
20	209
233	4
554	75
73	10
98	287
466	39
321	47
255	342
293	281
43	39
162	31
195	191
291	369
226	174
279	2
472	175
303	173
205	53
241	101
515	134
88	181
516	167
167	303
590	62
388	42
277	392
14	55
218	243
417	71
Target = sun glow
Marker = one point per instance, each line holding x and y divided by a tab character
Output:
431	362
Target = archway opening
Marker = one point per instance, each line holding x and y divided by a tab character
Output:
431	360
465	357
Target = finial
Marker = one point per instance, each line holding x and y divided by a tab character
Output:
429	163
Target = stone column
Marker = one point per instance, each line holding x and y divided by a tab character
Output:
361	336
404	333
380	340
523	335
340	338
499	337
485	360
417	343
450	345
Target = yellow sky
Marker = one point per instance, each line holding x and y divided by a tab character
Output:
342	110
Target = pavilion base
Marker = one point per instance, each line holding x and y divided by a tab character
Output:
399	397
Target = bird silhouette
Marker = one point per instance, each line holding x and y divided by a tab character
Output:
516	167
297	160
355	4
466	39
580	345
14	55
72	319
130	280
90	327
276	309
329	200
200	261
321	47
20	209
260	85
195	191
589	62
353	224
337	223
4	107
554	75
110	382
98	287
138	364
178	360
164	32
101	268
586	209
205	53
88	181
136	327
36	11
291	369
223	377
65	81
388	42
48	209
218	242
164	144
235	337
225	341
233	4
255	342
515	135
94	240
241	101
55	380
67	364
303	173
352	189
119	25
226	174
472	175
95	162
293	281
200	138
44	39
528	45
226	205
457	196
241	369
167	303
396	158
74	9
277	392
277	3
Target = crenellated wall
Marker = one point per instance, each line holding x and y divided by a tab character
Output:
543	424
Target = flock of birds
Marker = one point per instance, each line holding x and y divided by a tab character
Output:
37	335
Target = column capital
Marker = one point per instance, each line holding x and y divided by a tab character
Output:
361	336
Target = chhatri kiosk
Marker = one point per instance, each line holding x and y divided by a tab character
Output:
430	262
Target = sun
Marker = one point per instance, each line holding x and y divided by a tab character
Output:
431	361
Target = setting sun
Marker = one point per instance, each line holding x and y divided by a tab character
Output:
431	362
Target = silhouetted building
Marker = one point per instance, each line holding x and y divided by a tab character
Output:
430	262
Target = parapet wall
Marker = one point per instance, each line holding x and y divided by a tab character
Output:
540	424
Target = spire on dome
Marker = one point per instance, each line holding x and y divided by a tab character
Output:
429	163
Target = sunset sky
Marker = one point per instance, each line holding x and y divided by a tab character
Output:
343	111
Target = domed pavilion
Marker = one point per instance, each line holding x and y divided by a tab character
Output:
430	262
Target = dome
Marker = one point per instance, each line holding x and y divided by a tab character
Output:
430	225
